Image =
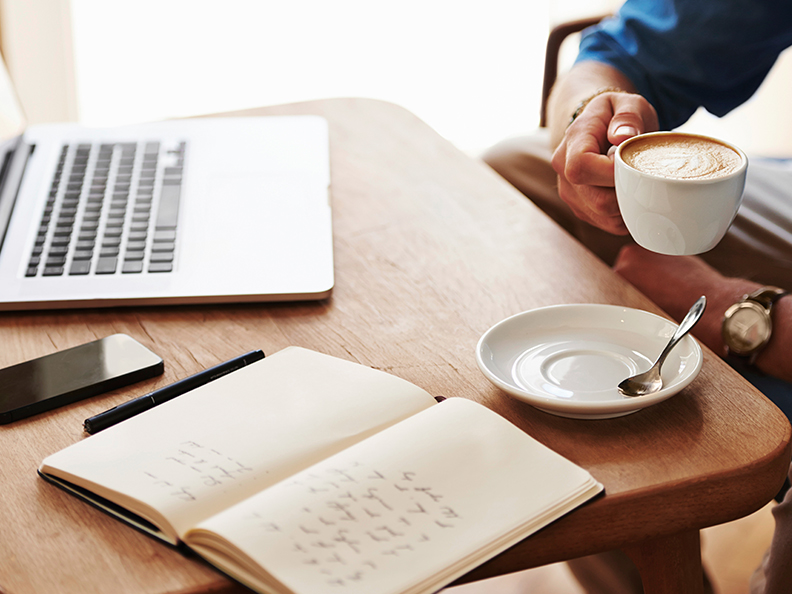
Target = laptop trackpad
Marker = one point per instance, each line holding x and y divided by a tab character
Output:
246	216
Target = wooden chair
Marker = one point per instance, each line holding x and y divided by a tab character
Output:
554	41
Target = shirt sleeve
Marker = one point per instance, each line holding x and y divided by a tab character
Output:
683	54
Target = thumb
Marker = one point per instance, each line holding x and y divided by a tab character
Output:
620	132
625	123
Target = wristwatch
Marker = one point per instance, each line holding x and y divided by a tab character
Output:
747	325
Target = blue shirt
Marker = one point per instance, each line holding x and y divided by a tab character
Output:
682	54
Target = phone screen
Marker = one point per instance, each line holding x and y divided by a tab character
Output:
66	376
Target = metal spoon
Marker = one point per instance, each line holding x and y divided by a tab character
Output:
650	381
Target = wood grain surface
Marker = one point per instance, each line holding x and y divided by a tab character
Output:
431	249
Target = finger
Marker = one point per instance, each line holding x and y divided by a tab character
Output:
632	115
602	210
596	206
587	162
581	162
595	201
569	195
606	219
558	160
590	169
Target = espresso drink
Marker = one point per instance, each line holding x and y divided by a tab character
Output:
679	156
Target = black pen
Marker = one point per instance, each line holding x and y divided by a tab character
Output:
138	405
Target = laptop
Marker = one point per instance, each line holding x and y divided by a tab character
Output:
210	210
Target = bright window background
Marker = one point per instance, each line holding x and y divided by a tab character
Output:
472	70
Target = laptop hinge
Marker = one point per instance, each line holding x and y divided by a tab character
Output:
15	158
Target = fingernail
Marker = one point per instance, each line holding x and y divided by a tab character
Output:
625	131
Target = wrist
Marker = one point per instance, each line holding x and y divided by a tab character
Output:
586	100
749	329
720	297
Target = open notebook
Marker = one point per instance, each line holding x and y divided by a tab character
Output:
303	473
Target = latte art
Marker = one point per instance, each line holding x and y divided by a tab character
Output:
682	157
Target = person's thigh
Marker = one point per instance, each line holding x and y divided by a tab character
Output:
758	245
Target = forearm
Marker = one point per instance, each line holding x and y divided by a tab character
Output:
581	82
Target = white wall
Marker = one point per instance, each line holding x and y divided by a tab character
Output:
472	70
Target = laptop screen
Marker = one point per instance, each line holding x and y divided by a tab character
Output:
12	124
12	120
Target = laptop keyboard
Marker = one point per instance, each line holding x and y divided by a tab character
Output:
112	209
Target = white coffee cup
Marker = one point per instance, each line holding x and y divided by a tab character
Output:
667	209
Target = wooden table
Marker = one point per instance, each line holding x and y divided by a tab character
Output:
431	249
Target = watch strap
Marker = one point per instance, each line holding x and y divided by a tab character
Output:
766	296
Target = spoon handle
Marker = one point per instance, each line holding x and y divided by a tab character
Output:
687	324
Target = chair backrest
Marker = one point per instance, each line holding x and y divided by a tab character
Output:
554	41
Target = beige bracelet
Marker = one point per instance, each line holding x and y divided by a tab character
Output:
582	105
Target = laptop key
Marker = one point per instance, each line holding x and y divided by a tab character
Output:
132	266
165	235
160	267
106	265
163	246
80	267
58	250
53	271
161	257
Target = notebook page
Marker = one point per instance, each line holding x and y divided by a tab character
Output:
408	510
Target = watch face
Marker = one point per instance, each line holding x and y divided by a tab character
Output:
747	328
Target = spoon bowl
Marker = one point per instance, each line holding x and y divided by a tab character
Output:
651	381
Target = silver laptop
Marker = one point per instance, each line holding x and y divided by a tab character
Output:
188	211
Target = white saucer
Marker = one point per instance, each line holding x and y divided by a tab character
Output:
568	359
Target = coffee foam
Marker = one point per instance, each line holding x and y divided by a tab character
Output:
678	156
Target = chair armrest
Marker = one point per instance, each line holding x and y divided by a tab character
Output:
554	41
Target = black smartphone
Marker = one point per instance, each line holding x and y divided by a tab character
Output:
70	375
